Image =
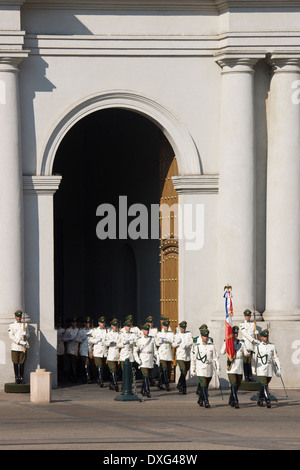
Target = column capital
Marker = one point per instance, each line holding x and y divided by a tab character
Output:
10	63
237	62
286	64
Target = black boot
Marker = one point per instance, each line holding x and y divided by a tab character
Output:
100	378
246	373
21	376
115	382
201	397
183	385
267	396
166	380
16	370
143	391
160	381
147	387
260	401
235	397
205	395
87	374
180	383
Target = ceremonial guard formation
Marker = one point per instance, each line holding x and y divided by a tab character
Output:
149	349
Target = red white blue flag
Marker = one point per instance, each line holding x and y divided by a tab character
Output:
229	339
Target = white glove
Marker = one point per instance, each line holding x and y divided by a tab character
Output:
179	340
192	373
278	373
23	343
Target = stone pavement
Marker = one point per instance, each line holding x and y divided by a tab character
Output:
85	417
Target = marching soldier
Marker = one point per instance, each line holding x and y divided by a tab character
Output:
204	355
145	353
111	341
85	349
267	362
235	370
164	342
97	340
126	341
248	331
72	348
18	333
152	332
182	343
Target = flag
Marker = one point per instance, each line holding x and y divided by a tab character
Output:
229	339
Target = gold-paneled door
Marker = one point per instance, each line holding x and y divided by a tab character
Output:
168	237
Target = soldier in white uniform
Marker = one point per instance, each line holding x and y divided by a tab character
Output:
164	342
72	349
145	353
204	360
267	362
248	331
18	333
85	348
111	341
60	350
152	332
97	341
183	342
235	370
126	341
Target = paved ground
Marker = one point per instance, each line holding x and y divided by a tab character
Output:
85	417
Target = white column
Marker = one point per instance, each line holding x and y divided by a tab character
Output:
283	194
11	219
39	267
236	220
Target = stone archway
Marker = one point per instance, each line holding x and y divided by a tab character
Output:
183	145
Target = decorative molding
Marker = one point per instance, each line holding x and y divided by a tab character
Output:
179	137
41	185
196	184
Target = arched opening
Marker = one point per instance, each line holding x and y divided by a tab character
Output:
107	247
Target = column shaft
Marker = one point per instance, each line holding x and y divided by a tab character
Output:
236	223
11	220
283	196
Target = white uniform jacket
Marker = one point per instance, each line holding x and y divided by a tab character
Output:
145	351
164	342
237	366
265	356
111	341
204	358
60	349
183	343
16	335
83	335
248	331
97	341
126	341
70	340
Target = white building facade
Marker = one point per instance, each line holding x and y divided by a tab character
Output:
220	79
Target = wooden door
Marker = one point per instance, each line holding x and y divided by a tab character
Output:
168	236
